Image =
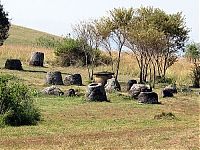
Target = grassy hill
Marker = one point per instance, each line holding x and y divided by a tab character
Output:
19	35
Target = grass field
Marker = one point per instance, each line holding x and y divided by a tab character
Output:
122	123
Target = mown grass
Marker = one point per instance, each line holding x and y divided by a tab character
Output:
74	123
123	123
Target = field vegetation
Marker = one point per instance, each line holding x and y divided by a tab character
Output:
122	123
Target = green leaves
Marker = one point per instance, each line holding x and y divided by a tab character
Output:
4	25
16	105
193	51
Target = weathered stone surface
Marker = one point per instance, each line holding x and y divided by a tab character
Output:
74	79
102	77
112	85
148	97
52	90
167	93
13	64
54	78
70	92
37	59
137	88
130	83
172	87
96	92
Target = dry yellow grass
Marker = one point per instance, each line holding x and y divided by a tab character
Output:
180	71
24	52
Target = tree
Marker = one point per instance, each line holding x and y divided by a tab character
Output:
193	54
104	31
156	37
117	24
4	25
87	33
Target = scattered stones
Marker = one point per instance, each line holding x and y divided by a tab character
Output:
70	92
54	78
13	64
148	97
112	85
130	83
37	59
52	90
74	79
96	92
137	88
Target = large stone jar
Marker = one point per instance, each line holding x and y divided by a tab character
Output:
73	79
13	64
102	77
96	92
54	78
37	59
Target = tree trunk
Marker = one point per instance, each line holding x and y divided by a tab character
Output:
118	62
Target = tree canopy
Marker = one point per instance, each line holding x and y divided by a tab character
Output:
4	25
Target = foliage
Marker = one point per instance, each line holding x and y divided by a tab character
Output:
71	52
47	41
4	25
195	75
155	37
118	21
16	105
86	32
193	54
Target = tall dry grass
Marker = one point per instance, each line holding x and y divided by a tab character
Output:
24	52
180	71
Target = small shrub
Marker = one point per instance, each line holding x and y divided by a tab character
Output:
165	80
164	115
16	105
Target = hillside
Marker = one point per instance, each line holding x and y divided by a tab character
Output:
19	35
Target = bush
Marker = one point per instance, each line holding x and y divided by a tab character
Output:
16	105
47	42
165	80
196	76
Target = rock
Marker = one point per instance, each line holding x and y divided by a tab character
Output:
96	92
37	59
130	83
167	93
54	78
112	85
148	97
13	64
70	92
74	79
52	90
137	88
172	87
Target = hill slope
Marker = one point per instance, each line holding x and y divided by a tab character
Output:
19	35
